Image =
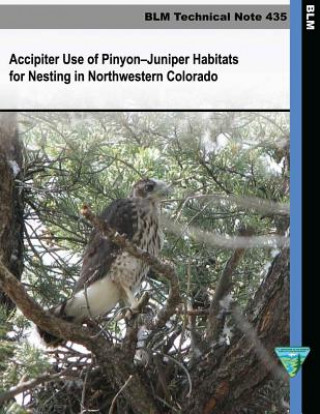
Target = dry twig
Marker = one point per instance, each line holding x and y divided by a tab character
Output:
29	385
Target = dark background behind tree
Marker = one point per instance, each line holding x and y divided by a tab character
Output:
226	228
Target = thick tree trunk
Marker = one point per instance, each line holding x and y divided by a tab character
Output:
11	200
246	377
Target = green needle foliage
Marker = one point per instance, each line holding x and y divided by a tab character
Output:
211	159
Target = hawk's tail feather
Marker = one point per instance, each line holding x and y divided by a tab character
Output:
48	338
98	299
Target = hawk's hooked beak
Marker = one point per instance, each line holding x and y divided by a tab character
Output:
162	189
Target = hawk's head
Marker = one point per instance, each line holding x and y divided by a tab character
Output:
150	189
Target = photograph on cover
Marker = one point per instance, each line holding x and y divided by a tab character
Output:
153	254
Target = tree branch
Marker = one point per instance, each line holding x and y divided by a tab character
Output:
218	310
246	202
12	200
118	393
29	385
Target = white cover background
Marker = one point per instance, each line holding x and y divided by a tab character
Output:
259	81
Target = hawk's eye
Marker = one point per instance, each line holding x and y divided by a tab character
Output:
149	187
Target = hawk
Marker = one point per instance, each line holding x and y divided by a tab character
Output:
108	273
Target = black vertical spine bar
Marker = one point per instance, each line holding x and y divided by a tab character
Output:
311	227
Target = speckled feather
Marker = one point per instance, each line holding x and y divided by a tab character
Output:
101	253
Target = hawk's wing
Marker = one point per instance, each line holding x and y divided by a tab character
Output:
100	253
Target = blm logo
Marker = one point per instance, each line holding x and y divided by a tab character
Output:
292	358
